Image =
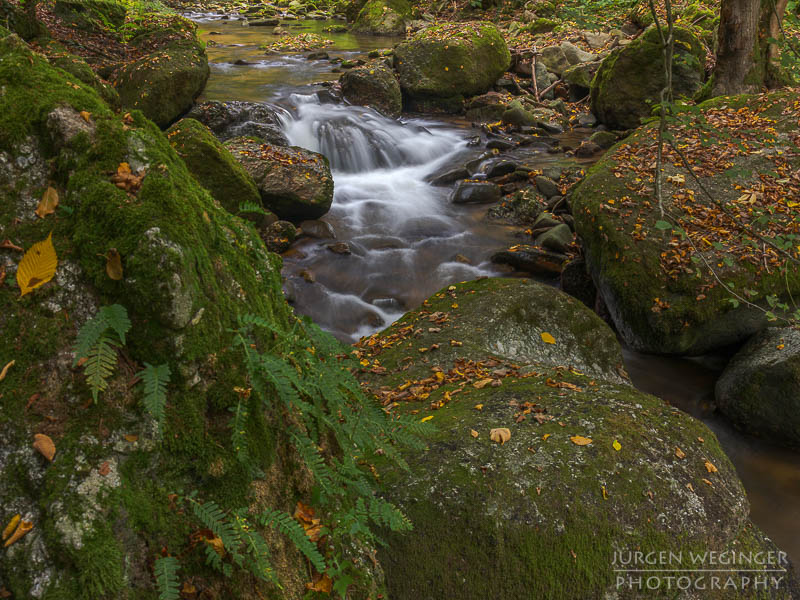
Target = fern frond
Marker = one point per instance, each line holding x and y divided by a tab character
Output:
252	207
116	317
100	363
212	516
257	555
288	526
155	380
88	336
241	414
166	572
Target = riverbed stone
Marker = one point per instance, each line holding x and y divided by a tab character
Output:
475	192
450	61
759	390
629	80
294	183
531	259
555	59
558	238
236	118
383	17
373	85
541	513
547	186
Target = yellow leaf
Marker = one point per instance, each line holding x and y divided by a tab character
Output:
48	203
547	338
86	115
710	467
4	372
130	437
707	482
114	264
479	407
545	436
124	169
217	545
428	418
579	440
500	435
616	445
473	433
482	383
45	446
12	525
679	453
23	528
323	584
605	494
439	376
38	266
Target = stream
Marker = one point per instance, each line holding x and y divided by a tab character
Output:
407	241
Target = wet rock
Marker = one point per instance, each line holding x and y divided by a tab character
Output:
450	176
461	60
577	282
475	192
760	388
373	85
231	119
580	77
586	119
342	248
318	55
294	183
501	145
547	186
604	139
587	149
317	229
558	239
279	236
500	168
531	259
264	23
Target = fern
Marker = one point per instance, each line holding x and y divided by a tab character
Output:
155	380
212	516
98	347
166	571
284	523
252	208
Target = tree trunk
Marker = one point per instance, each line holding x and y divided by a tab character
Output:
745	57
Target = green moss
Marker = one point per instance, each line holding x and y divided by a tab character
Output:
213	165
383	17
541	25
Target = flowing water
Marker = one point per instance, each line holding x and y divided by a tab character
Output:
406	240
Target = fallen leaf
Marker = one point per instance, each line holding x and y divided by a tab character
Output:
48	203
188	588
710	467
217	545
322	583
679	453
7	244
707	482
44	445
616	445
545	436
24	527
85	115
547	338
605	494
482	383
4	372
500	435
579	440
303	513
428	418
473	433
479	407
131	437
37	266
104	469
689	487
12	525
114	264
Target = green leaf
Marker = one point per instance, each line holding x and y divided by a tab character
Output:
662	225
155	380
166	572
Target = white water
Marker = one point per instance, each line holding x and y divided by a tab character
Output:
403	232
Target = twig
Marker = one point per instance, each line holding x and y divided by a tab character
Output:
533	75
551	86
667	48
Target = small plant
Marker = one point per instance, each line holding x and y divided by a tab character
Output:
166	571
97	343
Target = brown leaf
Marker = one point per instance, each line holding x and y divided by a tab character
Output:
579	440
303	513
710	467
680	453
482	383
131	437
500	435
473	433
7	244
114	264
48	203
217	545
44	445
104	469
4	372
85	115
321	583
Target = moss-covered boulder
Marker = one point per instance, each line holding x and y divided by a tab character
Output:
103	509
373	85
227	120
446	62
213	165
294	183
592	467
164	83
760	388
17	20
80	69
658	284
91	14
630	79
383	17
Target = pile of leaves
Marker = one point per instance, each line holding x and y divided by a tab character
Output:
297	43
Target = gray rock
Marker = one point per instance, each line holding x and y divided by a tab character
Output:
597	40
760	388
555	59
450	176
475	192
586	119
558	238
317	229
547	186
531	259
500	168
604	139
575	55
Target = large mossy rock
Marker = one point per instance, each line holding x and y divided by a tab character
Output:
18	21
657	286
630	79
760	388
91	14
165	83
539	516
445	63
227	120
383	17
213	165
294	183
80	69
373	85
103	509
